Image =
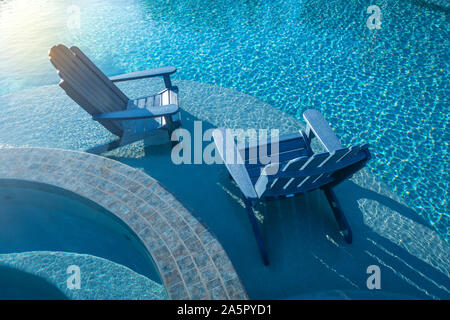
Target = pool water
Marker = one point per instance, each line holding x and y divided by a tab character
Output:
39	218
17	285
388	87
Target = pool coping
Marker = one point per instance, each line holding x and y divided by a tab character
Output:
191	261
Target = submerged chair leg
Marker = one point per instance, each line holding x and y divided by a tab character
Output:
338	214
171	126
256	231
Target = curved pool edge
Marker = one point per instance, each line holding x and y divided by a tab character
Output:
191	261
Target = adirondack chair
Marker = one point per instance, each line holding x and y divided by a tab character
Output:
130	119
298	170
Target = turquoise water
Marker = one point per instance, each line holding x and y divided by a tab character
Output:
34	218
388	87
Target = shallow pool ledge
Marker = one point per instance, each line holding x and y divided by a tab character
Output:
102	279
192	263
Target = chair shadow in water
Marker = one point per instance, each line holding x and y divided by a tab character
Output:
413	258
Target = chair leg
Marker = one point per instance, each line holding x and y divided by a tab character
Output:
170	127
344	227
256	231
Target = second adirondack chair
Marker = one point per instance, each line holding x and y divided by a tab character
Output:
130	119
298	170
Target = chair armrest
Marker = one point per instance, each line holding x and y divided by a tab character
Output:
319	127
135	114
164	72
236	167
144	74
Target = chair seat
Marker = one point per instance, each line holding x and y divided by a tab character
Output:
165	97
290	146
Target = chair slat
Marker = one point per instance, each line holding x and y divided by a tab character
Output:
287	143
132	104
89	93
283	157
157	101
149	123
254	170
352	151
334	157
173	98
99	73
89	82
324	178
77	97
165	97
315	161
293	165
309	183
291	183
85	80
141	103
150	102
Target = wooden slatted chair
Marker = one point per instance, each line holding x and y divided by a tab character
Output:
130	119
298	170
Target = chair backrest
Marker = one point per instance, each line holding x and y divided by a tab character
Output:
307	173
87	85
